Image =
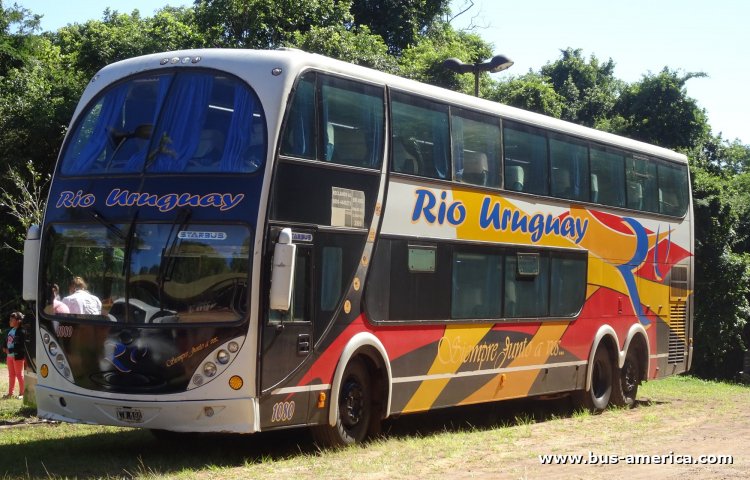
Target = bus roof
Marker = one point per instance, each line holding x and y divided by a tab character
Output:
293	61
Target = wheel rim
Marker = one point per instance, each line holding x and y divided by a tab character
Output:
352	404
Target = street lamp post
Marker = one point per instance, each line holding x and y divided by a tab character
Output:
498	63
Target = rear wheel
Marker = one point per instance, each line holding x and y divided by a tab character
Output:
626	386
355	409
597	397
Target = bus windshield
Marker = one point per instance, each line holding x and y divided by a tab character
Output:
170	122
149	273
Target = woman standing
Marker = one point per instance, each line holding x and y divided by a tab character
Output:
16	352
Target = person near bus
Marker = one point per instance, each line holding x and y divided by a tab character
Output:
80	300
54	303
15	350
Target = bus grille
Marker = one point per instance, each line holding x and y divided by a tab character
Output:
677	332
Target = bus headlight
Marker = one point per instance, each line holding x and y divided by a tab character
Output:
215	364
209	369
57	356
222	357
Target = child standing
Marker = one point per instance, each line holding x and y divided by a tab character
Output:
16	351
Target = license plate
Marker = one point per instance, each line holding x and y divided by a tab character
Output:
129	415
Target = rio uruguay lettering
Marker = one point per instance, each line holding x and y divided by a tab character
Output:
492	215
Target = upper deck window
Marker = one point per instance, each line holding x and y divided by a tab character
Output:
175	122
335	120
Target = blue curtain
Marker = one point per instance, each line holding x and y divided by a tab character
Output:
179	132
458	146
440	153
109	117
373	123
135	163
240	133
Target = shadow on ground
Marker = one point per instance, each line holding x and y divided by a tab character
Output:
137	453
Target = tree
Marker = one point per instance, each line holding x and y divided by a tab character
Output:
356	45
16	27
96	43
399	22
657	110
530	92
722	280
265	23
423	61
589	88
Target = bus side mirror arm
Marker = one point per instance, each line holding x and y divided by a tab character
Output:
31	250
282	272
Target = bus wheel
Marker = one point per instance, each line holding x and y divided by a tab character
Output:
597	397
355	409
626	388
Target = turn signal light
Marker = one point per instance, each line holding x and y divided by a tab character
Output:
44	370
235	383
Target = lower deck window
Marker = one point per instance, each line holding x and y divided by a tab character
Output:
474	283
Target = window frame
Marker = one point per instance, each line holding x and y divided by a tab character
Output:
381	304
320	133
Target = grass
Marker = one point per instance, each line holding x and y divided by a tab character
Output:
484	440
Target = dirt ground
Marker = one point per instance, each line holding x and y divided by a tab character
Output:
669	430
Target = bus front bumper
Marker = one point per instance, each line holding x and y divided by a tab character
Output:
237	415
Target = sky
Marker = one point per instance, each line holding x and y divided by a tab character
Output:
640	36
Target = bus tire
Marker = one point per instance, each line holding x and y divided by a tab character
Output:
355	407
628	378
596	398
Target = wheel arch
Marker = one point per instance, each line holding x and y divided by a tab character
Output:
371	349
606	336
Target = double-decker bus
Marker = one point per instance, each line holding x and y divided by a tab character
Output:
251	240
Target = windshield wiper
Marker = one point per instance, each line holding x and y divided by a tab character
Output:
110	226
161	148
128	248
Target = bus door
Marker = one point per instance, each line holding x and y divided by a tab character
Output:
287	336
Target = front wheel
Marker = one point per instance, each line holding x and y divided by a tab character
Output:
355	409
626	386
597	397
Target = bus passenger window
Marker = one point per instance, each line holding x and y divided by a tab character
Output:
477	285
423	125
568	284
353	116
298	139
570	169
525	159
673	189
607	177
641	184
476	148
526	296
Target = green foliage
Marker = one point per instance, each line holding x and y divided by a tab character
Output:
530	92
265	23
722	280
423	61
399	22
657	110
96	43
356	45
17	28
588	88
